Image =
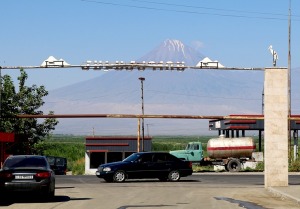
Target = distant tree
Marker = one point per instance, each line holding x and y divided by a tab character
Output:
25	100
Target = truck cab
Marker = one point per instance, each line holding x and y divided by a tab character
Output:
193	152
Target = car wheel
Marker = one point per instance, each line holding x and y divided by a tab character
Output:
48	194
174	176
119	176
4	196
51	195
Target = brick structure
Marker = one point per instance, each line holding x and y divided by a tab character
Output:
105	149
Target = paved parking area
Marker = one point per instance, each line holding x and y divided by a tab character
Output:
194	192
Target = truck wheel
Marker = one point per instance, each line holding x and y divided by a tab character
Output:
234	165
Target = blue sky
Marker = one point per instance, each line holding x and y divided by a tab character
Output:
237	33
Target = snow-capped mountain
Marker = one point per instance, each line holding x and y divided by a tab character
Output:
173	50
192	92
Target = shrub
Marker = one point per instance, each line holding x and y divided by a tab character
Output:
78	167
72	151
260	166
198	168
294	166
166	146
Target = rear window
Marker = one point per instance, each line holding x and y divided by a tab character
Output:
16	162
170	157
51	160
60	161
164	157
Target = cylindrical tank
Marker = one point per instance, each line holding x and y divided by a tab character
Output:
230	147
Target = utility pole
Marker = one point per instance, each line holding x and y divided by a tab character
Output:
1	143
263	101
142	79
148	129
289	82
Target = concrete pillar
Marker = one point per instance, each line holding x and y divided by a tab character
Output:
276	127
295	136
87	162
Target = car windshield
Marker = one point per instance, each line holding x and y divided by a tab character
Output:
15	162
131	158
192	147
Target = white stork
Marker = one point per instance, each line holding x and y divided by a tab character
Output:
274	54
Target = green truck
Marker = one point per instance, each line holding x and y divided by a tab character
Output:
228	152
193	152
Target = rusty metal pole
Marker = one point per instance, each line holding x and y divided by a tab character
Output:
138	138
142	97
2	153
2	143
289	84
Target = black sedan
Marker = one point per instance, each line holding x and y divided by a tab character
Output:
58	164
161	165
27	173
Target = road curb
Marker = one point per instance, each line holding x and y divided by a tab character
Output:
228	173
283	195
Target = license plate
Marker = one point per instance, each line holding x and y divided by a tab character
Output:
97	173
23	177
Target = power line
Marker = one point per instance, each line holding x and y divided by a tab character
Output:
194	12
211	8
91	99
194	95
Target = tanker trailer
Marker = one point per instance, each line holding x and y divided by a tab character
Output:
230	152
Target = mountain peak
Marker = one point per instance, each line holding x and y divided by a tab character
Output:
173	50
174	45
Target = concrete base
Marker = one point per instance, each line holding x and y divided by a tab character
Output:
251	165
258	156
90	171
219	168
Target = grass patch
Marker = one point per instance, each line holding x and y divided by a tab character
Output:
78	167
294	166
198	168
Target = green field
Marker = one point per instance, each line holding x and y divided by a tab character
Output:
68	146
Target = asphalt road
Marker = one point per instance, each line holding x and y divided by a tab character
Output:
220	191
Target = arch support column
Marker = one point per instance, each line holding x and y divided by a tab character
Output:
276	127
